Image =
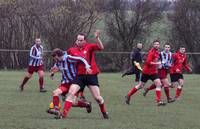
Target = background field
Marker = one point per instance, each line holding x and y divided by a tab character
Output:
26	110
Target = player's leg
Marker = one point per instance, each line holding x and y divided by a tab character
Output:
165	84
41	80
140	85
180	87
26	78
82	96
158	84
95	91
137	75
74	88
147	89
129	72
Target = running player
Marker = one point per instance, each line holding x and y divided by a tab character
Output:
136	60
180	61
149	72
35	65
165	57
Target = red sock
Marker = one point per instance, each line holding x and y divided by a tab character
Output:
132	91
158	95
67	107
25	81
166	91
80	104
41	82
178	92
55	102
81	94
151	87
102	107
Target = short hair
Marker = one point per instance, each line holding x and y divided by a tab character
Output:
82	34
156	41
182	46
57	52
167	43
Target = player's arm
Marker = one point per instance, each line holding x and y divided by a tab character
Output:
78	59
98	41
150	61
53	70
186	65
32	53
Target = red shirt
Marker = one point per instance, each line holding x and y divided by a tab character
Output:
149	68
179	62
87	52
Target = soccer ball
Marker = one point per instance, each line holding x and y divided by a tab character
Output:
51	106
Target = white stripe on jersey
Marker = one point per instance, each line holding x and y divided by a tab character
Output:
35	56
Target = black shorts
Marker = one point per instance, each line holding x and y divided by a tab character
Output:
85	80
146	77
175	77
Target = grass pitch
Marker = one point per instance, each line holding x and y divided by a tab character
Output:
26	110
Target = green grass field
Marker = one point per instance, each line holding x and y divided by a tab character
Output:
26	110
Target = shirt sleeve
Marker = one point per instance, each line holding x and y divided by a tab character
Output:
186	65
74	59
95	47
33	53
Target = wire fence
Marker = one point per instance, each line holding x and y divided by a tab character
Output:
114	61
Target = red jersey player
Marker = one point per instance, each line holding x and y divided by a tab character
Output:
86	50
35	65
149	72
179	62
165	57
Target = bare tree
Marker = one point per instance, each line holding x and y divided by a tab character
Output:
128	21
57	22
186	29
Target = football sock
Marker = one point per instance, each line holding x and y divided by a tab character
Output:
178	92
102	107
41	82
25	81
55	102
66	109
151	87
166	89
81	94
158	94
80	104
132	91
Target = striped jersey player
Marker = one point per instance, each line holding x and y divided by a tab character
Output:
35	65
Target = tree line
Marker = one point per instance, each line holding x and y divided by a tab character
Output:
125	22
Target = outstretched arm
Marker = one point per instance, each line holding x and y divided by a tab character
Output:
98	41
78	59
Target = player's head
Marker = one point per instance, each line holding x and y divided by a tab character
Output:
156	44
38	41
139	45
167	47
80	40
57	54
182	49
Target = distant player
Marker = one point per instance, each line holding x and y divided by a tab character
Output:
165	57
35	65
149	72
136	60
86	50
180	61
66	65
